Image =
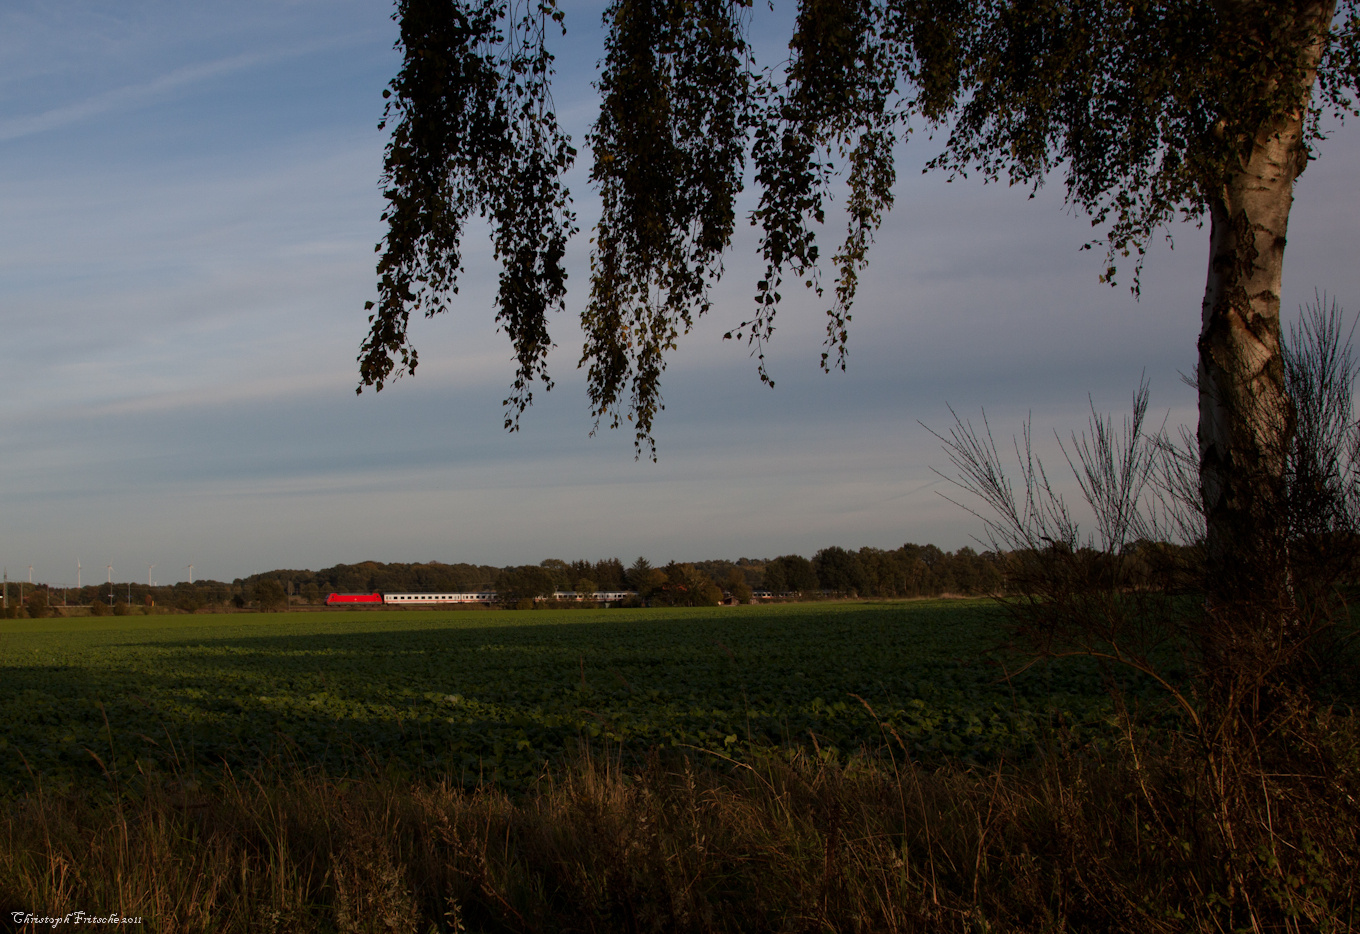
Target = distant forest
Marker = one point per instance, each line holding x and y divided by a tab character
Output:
909	571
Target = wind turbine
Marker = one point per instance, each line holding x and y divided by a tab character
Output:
110	567
77	574
191	572
148	574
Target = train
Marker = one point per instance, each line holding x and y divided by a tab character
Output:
485	597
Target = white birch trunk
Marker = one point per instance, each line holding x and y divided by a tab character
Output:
1245	416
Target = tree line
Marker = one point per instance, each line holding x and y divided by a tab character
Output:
909	571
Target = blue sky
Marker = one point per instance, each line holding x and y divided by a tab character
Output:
188	205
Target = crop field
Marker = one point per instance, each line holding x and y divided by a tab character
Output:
497	696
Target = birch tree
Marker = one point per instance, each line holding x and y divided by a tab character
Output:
1149	111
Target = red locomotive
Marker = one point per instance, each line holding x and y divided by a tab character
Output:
337	598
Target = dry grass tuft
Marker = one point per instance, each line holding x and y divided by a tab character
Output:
1130	842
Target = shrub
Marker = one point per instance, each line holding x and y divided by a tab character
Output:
514	585
269	594
706	594
1268	790
737	586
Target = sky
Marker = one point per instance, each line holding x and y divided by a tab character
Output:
189	201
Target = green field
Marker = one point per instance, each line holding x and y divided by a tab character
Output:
497	695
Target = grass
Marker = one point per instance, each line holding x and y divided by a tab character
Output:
1070	843
822	793
497	696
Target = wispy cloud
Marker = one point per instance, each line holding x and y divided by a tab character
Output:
189	208
127	97
134	96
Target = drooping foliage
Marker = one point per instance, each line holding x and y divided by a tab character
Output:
1145	108
669	147
474	130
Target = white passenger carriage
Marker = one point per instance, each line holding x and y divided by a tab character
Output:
427	599
488	597
599	596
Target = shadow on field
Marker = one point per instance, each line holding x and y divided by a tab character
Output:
501	701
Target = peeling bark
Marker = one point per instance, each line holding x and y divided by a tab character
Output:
1245	418
1246	421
